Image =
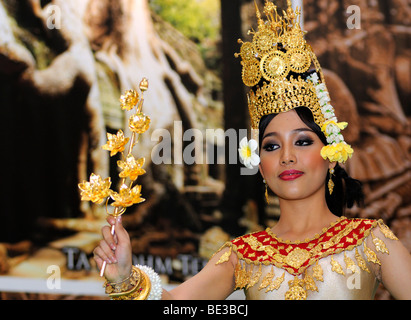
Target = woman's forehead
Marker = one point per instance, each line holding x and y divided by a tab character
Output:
285	122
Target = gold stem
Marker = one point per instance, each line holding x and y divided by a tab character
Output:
121	210
133	142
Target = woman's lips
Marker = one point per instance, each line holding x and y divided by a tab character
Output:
288	175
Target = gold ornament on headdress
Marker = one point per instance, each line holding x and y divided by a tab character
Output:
96	189
273	65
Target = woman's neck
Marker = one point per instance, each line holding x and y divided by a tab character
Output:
301	219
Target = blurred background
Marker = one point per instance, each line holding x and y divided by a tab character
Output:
64	65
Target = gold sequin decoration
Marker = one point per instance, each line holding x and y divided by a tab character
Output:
336	267
267	279
254	279
371	255
293	39
274	285
360	261
309	282
274	65
300	60
264	40
251	72
296	290
349	263
247	51
386	231
242	277
225	257
318	272
297	257
379	244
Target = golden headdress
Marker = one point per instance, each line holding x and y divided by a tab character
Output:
277	65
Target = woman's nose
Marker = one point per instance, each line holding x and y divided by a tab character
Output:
287	156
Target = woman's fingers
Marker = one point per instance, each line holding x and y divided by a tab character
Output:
108	237
115	250
105	252
121	234
98	260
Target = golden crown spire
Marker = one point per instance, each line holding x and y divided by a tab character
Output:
283	72
277	49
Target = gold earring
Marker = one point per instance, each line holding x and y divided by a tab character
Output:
330	181
266	193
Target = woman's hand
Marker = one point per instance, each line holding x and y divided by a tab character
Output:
115	250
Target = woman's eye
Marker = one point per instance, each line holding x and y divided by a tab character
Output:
304	142
270	146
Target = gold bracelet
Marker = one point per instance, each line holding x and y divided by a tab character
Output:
124	285
140	290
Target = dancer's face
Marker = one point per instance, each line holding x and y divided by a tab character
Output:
291	161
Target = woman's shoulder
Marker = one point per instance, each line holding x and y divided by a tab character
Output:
239	244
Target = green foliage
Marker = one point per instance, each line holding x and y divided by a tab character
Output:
198	20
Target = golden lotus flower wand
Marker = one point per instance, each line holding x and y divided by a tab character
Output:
97	190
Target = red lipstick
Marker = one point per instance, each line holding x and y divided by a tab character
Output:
288	175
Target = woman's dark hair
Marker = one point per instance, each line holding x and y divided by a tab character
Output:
347	191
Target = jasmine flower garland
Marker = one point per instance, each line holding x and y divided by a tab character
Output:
337	149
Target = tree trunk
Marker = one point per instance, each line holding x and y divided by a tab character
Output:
238	187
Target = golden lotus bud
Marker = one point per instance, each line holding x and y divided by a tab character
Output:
144	84
127	197
139	123
95	190
131	167
129	100
116	142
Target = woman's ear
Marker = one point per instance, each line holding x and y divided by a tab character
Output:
261	171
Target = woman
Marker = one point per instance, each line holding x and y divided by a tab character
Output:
294	169
313	252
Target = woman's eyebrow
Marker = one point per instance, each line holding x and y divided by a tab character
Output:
273	133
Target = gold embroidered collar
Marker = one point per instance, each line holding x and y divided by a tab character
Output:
295	257
265	248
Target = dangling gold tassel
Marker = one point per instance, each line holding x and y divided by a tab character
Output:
330	181
266	193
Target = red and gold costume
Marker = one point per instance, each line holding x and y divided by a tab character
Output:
335	264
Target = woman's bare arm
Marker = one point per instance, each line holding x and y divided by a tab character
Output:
395	269
213	282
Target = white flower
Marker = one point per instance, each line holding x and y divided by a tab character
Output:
320	87
247	153
328	111
335	138
321	90
332	129
330	139
323	99
314	78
